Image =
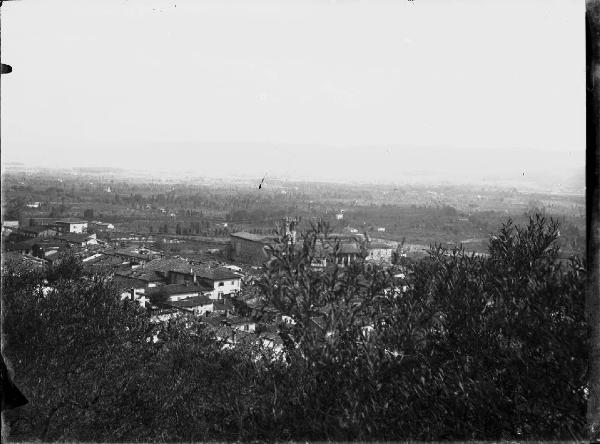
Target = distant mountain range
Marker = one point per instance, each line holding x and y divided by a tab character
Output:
521	168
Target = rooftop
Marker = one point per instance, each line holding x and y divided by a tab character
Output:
379	245
214	274
176	289
75	237
71	220
251	237
166	264
141	275
195	301
35	229
222	305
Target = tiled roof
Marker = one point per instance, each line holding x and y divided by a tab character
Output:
345	248
142	275
162	311
222	305
71	220
176	289
379	245
36	229
74	237
17	259
214	274
214	321
130	254
251	237
272	337
106	260
166	264
195	301
234	320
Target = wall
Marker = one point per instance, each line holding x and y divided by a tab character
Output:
229	286
380	255
251	252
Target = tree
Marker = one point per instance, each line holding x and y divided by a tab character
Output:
592	24
455	352
461	347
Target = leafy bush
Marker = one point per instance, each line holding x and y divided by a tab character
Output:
463	347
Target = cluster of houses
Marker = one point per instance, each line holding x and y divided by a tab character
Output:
49	237
254	249
168	287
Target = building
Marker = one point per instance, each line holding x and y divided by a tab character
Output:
10	224
190	299
138	279
15	260
221	281
42	221
101	226
250	248
71	225
135	255
78	239
38	231
380	252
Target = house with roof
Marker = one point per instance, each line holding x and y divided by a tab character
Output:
138	279
134	255
71	225
101	226
36	247
104	261
242	324
17	260
176	292
184	299
218	282
380	252
250	248
78	239
159	314
221	281
9	226
222	307
14	224
199	305
43	221
38	231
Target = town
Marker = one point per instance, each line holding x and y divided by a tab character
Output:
196	254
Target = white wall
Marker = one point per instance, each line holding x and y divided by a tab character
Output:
229	286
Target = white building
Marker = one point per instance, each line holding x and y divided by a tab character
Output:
72	225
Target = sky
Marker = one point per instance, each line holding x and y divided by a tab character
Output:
314	89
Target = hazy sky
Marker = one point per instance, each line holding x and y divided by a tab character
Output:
233	86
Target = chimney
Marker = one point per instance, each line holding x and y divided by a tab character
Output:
132	292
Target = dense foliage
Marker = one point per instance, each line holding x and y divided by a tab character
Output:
455	347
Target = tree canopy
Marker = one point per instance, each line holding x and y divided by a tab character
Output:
456	346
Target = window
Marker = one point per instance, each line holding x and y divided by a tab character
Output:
221	284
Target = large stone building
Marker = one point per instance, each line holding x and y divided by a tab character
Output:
250	248
71	225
